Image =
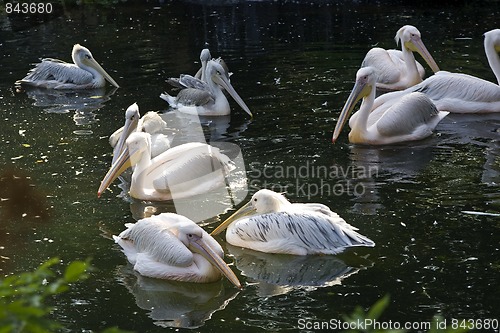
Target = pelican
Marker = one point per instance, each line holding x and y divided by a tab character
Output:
85	73
206	98
182	171
150	123
278	226
398	70
171	246
458	93
491	48
412	117
205	57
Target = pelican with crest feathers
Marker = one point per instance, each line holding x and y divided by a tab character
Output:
206	97
399	70
180	172
171	246
151	123
413	117
84	73
270	223
205	56
455	92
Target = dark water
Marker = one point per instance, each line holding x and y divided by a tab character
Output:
294	65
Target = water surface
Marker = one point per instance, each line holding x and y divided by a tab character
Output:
294	65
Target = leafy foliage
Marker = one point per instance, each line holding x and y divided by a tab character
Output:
360	320
23	297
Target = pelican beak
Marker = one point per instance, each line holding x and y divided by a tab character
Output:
360	90
415	44
223	81
121	164
91	62
198	245
246	210
129	127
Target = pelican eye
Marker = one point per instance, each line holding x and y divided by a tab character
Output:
190	235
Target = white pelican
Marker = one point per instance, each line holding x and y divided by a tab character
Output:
458	93
182	171
171	246
398	70
150	123
85	73
205	57
278	226
412	117
206	98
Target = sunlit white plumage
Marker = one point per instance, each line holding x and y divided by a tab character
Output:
278	226
85	73
412	117
150	123
181	171
206	97
398	70
171	246
455	92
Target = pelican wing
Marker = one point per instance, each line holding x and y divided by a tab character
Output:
463	87
54	72
189	81
152	239
195	166
196	97
384	63
408	115
297	233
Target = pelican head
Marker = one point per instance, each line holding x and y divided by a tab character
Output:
152	123
411	39
191	235
492	37
366	78
219	75
132	116
137	144
83	58
262	202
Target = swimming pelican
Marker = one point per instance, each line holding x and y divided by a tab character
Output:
458	93
412	117
398	70
205	57
206	98
150	123
85	73
181	171
278	226
171	246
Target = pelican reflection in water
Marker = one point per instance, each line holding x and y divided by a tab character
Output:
84	73
173	303
171	246
274	225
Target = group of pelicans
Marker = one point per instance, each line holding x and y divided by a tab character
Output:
171	246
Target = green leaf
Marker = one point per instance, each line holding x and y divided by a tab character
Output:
75	271
379	307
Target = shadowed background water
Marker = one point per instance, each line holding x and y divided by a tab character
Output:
294	65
